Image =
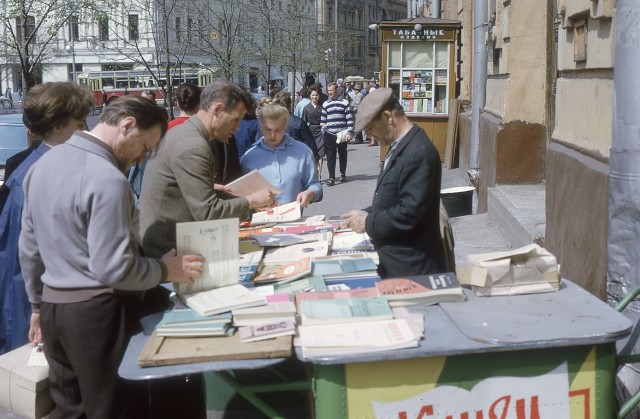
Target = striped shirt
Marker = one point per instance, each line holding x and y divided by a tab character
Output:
337	115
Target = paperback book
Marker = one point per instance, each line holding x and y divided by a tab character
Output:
344	268
285	272
322	340
250	183
345	310
219	300
422	289
279	214
335	295
267	331
295	252
268	313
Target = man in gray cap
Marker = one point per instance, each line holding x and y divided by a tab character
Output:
403	219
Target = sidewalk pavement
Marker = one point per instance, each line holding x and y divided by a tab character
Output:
472	234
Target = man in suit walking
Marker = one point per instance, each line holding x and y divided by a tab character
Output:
403	219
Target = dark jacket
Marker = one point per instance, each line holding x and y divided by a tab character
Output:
403	220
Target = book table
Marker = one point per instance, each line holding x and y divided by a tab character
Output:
540	356
530	356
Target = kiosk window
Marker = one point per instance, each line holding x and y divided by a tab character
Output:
418	73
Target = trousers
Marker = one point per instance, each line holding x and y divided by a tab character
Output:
332	150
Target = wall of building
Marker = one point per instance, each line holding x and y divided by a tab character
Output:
577	158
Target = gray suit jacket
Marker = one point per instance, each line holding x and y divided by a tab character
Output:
178	187
403	220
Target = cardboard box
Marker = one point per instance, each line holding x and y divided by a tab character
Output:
24	389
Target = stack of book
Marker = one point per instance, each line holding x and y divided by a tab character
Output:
325	340
189	323
265	322
219	300
422	289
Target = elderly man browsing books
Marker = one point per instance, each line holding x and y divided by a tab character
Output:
81	260
403	219
287	164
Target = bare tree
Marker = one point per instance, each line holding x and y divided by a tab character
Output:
219	35
300	41
266	40
30	31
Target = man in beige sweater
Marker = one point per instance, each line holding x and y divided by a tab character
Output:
179	177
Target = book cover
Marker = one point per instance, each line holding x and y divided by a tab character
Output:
279	214
266	331
284	273
287	238
329	268
356	337
295	252
351	241
341	284
217	242
329	311
303	285
250	183
370	292
249	264
429	289
262	314
188	317
223	299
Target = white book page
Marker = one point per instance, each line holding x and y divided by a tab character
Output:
376	333
217	242
279	214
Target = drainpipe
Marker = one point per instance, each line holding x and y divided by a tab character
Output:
480	19
624	181
624	160
436	9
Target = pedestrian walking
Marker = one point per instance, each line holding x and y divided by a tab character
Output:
337	123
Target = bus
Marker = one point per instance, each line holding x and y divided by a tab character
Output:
135	81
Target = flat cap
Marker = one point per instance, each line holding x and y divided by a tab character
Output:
372	106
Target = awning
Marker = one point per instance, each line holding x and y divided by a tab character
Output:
275	74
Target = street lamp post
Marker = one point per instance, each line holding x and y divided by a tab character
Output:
71	50
335	40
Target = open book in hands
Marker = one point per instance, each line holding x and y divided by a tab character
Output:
250	183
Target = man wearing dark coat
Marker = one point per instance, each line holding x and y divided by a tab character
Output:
403	219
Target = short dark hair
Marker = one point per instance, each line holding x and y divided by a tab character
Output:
54	104
188	97
146	113
227	93
304	93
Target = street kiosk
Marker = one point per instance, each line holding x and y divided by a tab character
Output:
420	63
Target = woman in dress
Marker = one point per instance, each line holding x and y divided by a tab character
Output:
311	114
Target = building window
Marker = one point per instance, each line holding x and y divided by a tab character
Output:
133	28
189	30
25	31
580	40
103	27
178	28
74	32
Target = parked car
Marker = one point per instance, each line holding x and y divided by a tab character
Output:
13	138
